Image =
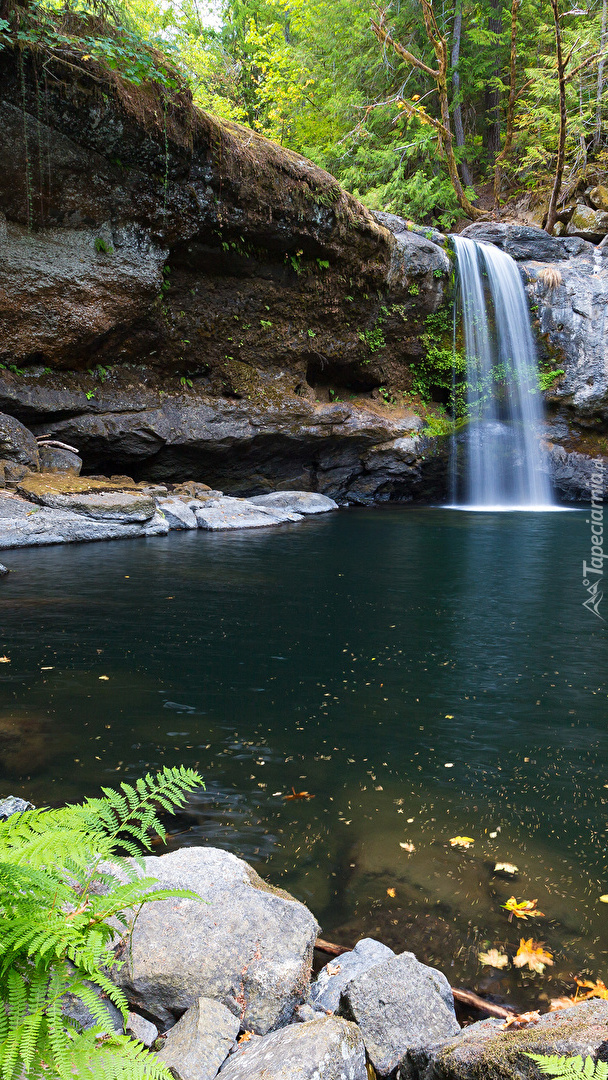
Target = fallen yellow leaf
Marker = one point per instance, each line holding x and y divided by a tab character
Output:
391	892
595	989
532	953
523	909
493	958
506	868
104	678
604	899
462	841
4	660
410	848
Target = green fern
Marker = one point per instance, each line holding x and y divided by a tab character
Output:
65	885
568	1067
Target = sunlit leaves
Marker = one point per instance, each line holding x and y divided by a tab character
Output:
533	955
493	958
522	909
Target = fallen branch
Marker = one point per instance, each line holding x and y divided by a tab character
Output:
465	997
43	441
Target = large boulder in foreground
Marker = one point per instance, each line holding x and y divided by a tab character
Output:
245	944
328	1049
488	1050
398	1005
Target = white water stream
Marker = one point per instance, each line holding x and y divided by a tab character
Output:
498	459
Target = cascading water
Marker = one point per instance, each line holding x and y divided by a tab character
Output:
498	459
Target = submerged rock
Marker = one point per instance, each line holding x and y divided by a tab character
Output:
244	944
333	978
328	1049
487	1050
198	1045
399	1004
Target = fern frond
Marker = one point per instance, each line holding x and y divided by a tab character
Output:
566	1068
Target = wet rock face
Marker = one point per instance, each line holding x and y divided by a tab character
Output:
227	298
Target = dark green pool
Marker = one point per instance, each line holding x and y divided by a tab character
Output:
423	673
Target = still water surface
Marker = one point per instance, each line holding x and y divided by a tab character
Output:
422	673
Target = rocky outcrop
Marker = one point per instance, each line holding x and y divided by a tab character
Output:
198	1045
192	300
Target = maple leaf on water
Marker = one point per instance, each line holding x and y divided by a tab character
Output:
493	958
532	953
522	909
462	841
594	989
299	795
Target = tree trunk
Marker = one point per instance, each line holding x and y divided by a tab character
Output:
506	150
491	139
439	74
600	78
561	142
465	172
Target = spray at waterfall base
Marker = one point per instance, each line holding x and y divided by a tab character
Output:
593	572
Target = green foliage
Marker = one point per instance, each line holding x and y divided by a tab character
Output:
373	337
64	887
546	379
265	324
567	1067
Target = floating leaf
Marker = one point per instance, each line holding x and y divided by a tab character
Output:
4	660
299	795
522	909
506	868
532	953
595	989
493	958
462	841
391	892
104	678
410	848
604	899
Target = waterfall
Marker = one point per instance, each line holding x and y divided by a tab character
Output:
498	460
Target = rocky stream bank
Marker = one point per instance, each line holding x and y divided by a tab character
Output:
224	987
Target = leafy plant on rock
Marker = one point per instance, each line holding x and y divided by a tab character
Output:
65	886
569	1067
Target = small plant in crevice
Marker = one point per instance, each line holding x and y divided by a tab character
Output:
103	247
265	324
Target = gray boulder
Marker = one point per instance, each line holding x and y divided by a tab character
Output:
177	513
488	1050
328	1049
228	513
244	943
13	805
398	1005
527	241
17	443
300	502
55	460
4	570
141	1029
333	978
198	1045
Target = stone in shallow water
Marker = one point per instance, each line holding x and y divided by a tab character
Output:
246	944
399	1004
328	1049
487	1050
332	979
200	1042
301	502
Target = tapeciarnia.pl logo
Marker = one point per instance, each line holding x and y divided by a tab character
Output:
593	572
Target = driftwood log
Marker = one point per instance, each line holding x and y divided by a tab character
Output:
465	997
